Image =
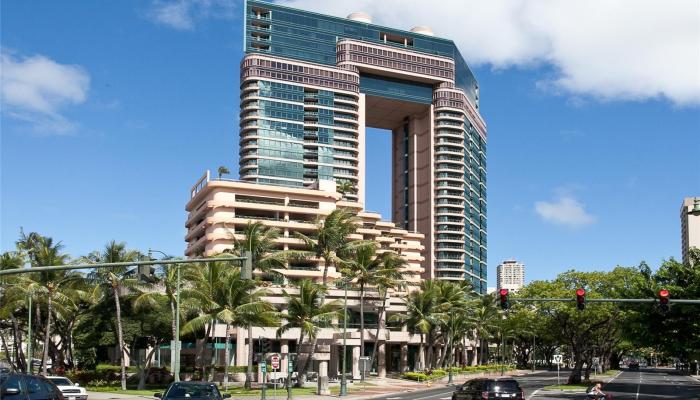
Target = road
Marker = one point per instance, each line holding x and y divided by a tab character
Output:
530	383
636	385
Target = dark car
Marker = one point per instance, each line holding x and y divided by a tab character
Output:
487	388
192	391
633	366
28	387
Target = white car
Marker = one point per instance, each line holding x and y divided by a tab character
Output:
70	390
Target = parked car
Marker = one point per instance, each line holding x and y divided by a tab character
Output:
192	391
489	388
28	387
70	390
633	366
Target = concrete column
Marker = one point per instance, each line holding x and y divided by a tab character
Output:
403	366
284	362
355	362
241	353
323	389
381	360
334	365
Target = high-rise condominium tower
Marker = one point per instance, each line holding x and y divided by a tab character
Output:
690	225
510	275
310	86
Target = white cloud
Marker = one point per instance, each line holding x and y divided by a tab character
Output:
182	14
176	15
34	89
606	49
564	210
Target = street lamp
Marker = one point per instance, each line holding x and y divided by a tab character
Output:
175	364
343	376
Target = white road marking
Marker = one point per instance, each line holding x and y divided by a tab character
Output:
532	394
430	397
639	386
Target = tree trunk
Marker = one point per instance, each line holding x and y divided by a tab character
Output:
173	326
420	360
227	356
379	324
429	356
300	375
144	370
201	352
249	370
19	353
120	336
47	336
212	364
308	366
362	320
7	352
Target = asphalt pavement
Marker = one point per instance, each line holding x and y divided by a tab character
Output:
646	384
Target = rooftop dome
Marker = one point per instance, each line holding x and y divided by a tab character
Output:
423	30
360	17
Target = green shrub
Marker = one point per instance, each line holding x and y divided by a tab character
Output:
415	376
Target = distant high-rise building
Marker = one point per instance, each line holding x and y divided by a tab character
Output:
690	225
510	275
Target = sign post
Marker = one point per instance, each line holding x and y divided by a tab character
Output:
558	359
263	369
275	364
290	368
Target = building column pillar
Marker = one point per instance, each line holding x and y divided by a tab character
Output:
323	389
333	371
284	352
241	353
381	360
355	362
403	366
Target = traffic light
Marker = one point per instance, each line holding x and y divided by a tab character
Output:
505	304
265	345
664	296
581	298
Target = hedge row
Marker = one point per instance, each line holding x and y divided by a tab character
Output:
440	373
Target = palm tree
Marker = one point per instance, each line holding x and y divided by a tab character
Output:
114	282
422	314
259	240
244	307
366	268
344	187
308	312
11	300
222	170
168	280
392	277
329	241
484	316
204	296
48	283
452	300
331	238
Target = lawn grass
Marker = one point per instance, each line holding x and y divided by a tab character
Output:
573	386
117	389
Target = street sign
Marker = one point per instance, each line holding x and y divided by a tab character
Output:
290	366
263	367
558	358
364	364
275	361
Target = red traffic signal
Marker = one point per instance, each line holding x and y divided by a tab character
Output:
504	299
664	296
581	298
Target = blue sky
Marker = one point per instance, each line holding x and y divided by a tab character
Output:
112	110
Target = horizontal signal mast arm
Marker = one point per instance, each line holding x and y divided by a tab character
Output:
589	300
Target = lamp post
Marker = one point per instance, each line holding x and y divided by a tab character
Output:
29	335
534	360
343	376
175	364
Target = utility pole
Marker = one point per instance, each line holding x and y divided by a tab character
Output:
29	336
343	377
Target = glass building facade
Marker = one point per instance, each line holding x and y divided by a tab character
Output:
311	83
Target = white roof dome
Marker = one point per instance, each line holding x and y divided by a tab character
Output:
423	30
360	17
